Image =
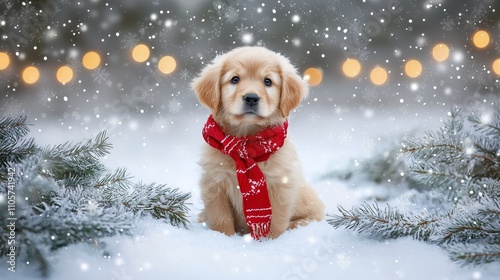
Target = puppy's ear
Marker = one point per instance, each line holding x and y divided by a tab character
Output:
293	88
207	85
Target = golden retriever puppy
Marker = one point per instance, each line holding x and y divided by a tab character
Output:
248	90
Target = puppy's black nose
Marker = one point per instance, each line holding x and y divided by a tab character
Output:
251	99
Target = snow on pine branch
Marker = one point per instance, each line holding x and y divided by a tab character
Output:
461	162
384	223
70	197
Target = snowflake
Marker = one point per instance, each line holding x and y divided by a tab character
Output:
229	13
11	109
345	137
173	84
97	244
174	106
165	36
477	15
156	3
7	4
216	30
497	46
313	117
404	109
160	125
185	74
370	95
130	40
46	96
419	98
343	261
75	64
448	23
403	203
101	76
368	145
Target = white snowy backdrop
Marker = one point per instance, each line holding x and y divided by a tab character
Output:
155	121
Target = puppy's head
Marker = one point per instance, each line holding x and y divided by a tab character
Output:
250	86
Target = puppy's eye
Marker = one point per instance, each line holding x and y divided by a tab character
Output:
268	82
235	80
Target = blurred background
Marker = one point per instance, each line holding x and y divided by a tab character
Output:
91	65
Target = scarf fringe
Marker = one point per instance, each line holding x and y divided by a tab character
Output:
260	230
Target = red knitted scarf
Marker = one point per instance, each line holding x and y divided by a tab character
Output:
246	152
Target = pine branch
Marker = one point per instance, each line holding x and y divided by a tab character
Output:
76	164
13	149
61	229
159	201
71	197
92	148
386	223
473	254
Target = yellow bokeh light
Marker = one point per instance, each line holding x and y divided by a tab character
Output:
64	74
413	68
351	68
91	60
4	60
378	76
313	76
140	53
496	66
481	39
167	64
440	52
30	75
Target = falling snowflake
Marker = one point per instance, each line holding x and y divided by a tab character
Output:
7	4
216	30
46	96
477	15
185	74
343	261
100	76
497	46
11	109
370	95
404	203
174	106
75	64
97	244
448	23
130	41
313	117
160	125
228	13
165	36
368	145
345	137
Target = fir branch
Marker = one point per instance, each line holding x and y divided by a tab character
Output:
118	178
92	148
473	254
13	148
61	228
159	201
71	198
386	223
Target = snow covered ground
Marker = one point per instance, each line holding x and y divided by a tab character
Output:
326	139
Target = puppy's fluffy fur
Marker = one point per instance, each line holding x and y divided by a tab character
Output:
280	89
